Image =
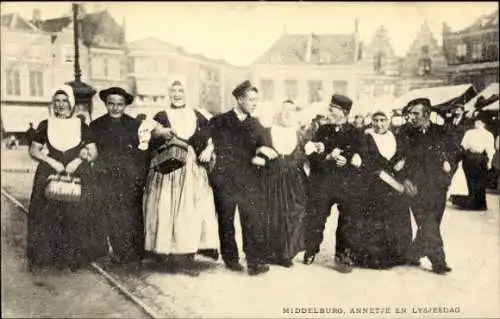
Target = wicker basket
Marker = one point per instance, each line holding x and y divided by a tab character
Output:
64	188
170	157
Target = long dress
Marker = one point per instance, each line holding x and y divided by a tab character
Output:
61	234
385	229
179	210
284	181
121	174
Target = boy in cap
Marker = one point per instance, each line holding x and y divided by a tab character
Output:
335	165
427	152
121	172
236	136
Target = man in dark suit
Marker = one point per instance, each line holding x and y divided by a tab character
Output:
335	170
428	154
236	136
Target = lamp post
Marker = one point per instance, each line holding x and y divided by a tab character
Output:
82	91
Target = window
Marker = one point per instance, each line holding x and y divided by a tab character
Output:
291	89
13	82
210	89
113	67
315	91
68	54
36	52
98	67
36	83
477	50
267	87
461	50
492	52
324	58
340	87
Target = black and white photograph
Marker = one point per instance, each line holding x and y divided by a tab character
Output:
253	159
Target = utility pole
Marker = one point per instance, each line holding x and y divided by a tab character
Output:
83	92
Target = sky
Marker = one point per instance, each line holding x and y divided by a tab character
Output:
239	32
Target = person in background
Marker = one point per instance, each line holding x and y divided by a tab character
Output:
334	156
426	154
30	134
478	145
237	182
121	171
60	233
359	123
179	207
284	182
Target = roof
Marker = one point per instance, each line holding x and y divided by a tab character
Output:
294	49
98	29
154	44
15	21
485	21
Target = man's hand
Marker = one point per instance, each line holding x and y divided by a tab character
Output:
312	147
206	154
410	189
399	165
340	161
57	166
356	160
446	167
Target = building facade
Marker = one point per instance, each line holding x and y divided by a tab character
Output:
306	68
152	61
472	53
26	72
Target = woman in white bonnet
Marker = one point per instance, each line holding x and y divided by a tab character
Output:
179	210
58	232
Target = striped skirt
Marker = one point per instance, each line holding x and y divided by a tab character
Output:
179	210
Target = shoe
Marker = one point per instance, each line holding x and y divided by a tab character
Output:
343	264
308	258
413	262
285	263
188	271
257	269
234	266
441	269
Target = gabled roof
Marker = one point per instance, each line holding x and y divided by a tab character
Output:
15	21
485	21
154	44
98	29
293	49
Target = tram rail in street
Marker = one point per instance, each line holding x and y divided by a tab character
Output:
113	282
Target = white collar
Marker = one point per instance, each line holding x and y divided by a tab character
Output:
239	114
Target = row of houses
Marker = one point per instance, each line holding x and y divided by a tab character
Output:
38	55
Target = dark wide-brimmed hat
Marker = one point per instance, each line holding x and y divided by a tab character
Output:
103	94
342	102
243	88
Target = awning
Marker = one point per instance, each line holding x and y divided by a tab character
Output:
495	106
441	98
16	118
490	91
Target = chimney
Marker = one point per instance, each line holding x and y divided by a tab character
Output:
37	17
308	52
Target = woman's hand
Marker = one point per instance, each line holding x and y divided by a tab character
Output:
258	161
268	152
165	132
73	165
57	166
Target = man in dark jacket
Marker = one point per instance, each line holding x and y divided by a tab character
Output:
237	136
335	166
427	151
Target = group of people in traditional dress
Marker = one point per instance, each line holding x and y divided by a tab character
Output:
282	183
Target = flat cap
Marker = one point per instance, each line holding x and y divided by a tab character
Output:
244	87
342	102
116	91
421	100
